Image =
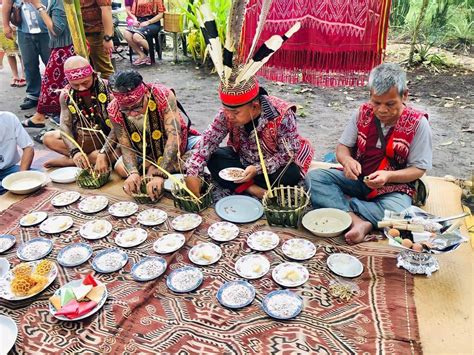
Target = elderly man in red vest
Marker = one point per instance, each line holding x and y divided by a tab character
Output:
385	148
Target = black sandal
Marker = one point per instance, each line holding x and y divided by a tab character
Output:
28	123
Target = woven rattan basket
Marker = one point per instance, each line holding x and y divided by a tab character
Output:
185	202
286	206
87	181
143	197
173	22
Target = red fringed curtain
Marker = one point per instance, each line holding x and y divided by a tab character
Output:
339	42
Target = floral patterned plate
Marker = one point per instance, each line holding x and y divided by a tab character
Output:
56	224
282	304
290	274
169	243
109	260
33	218
123	209
131	237
236	294
185	279
205	254
6	242
96	229
152	217
263	240
298	249
186	222
149	268
65	198
223	231
74	254
34	249
93	204
252	266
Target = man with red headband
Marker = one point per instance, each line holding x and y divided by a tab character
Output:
166	134
83	117
248	110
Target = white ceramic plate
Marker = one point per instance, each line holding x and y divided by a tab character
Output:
6	293
186	222
9	332
326	222
25	182
152	217
74	254
169	243
149	268
236	294
223	231
75	283
263	240
231	174
205	254
64	175
290	274
95	229
131	237
252	266
56	224
298	249
109	260
282	304
123	209
34	249
65	198
169	182
345	265
33	218
6	242
185	279
4	267
93	204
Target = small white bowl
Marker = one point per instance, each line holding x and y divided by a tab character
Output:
326	222
25	182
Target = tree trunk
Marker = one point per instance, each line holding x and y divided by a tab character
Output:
416	30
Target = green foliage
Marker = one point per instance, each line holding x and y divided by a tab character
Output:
399	12
196	43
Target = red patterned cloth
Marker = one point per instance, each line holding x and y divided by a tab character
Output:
148	318
398	144
53	79
338	44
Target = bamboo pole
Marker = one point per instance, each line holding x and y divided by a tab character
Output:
72	9
416	30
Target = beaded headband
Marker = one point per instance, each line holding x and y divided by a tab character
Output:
79	73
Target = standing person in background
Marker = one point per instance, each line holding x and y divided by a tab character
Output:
9	47
33	40
99	29
12	137
61	46
145	17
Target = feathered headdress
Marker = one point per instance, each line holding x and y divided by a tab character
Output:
238	83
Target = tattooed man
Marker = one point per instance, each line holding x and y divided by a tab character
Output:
84	118
167	136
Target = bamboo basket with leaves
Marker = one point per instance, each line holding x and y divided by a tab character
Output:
142	197
88	180
184	201
285	205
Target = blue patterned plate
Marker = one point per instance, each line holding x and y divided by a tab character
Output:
282	304
236	294
6	242
239	209
109	260
74	254
34	249
185	279
149	268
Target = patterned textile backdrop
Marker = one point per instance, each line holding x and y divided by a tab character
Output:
148	318
338	43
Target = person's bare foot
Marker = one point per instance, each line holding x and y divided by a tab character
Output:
38	118
359	229
256	191
58	162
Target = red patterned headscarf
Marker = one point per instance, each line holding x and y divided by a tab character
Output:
79	73
131	97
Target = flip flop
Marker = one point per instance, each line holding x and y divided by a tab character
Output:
39	137
20	83
28	123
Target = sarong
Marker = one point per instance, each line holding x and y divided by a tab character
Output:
338	44
53	79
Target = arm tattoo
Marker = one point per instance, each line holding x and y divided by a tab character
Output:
128	156
173	134
65	124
